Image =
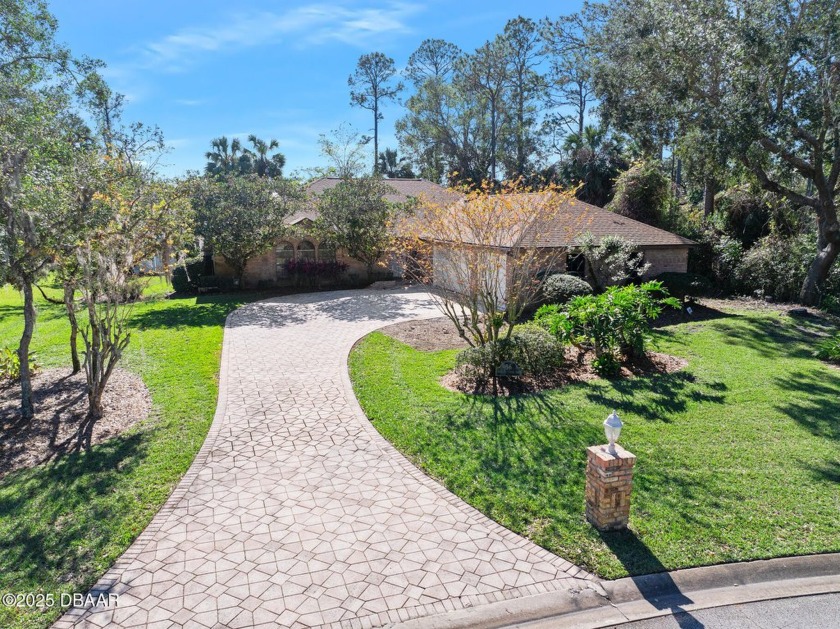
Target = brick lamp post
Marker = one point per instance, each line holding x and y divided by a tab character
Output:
609	480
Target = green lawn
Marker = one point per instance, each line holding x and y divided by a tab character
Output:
64	523
738	454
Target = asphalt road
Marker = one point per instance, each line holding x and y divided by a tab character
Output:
807	612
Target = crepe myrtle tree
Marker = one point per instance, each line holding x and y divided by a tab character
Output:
241	217
483	255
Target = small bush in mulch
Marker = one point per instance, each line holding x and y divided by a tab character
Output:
60	425
577	367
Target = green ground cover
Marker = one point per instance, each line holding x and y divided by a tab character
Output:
64	523
737	454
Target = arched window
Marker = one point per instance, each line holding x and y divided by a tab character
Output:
326	252
284	252
306	250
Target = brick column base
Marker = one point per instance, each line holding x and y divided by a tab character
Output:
609	480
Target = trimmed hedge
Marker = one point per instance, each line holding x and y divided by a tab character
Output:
560	288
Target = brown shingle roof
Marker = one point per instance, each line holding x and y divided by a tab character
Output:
404	189
572	221
577	217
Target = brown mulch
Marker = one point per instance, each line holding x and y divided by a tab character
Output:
60	424
427	335
577	368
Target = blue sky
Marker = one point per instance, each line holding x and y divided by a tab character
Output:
277	69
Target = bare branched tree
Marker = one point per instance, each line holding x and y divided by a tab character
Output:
486	255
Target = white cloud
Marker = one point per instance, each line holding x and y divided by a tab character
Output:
190	102
310	24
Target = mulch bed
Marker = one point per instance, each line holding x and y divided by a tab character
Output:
577	368
60	424
427	335
431	335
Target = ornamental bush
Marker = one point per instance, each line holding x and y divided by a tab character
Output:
560	288
613	323
530	346
186	277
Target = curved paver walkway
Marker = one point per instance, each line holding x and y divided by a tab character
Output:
297	513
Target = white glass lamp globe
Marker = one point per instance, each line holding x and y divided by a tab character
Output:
612	428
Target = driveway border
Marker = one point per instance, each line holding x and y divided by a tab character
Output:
656	595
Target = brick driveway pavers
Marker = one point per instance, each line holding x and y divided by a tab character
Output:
298	513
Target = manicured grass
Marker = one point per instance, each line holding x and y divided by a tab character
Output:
64	523
738	454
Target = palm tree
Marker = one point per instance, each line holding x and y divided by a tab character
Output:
261	163
392	167
593	161
225	157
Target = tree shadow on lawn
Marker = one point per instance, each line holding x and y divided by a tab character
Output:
656	586
57	512
657	397
773	337
813	400
524	442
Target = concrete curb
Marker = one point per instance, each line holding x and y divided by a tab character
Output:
651	596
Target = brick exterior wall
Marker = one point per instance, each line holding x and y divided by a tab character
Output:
666	260
262	270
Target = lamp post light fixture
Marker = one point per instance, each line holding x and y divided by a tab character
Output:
612	428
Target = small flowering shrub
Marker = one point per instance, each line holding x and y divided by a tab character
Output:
315	268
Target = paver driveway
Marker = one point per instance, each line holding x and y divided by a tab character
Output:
297	513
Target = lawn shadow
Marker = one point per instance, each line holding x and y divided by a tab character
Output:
812	401
778	337
50	504
656	585
699	313
189	311
528	443
658	397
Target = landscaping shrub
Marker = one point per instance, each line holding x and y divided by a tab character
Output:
535	350
776	267
829	349
685	284
10	364
186	277
613	261
610	324
315	269
560	288
530	346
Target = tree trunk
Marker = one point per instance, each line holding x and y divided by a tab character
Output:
69	292
709	190
817	273
27	409
375	139
493	142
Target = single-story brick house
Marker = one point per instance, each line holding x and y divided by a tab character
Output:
663	250
269	269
